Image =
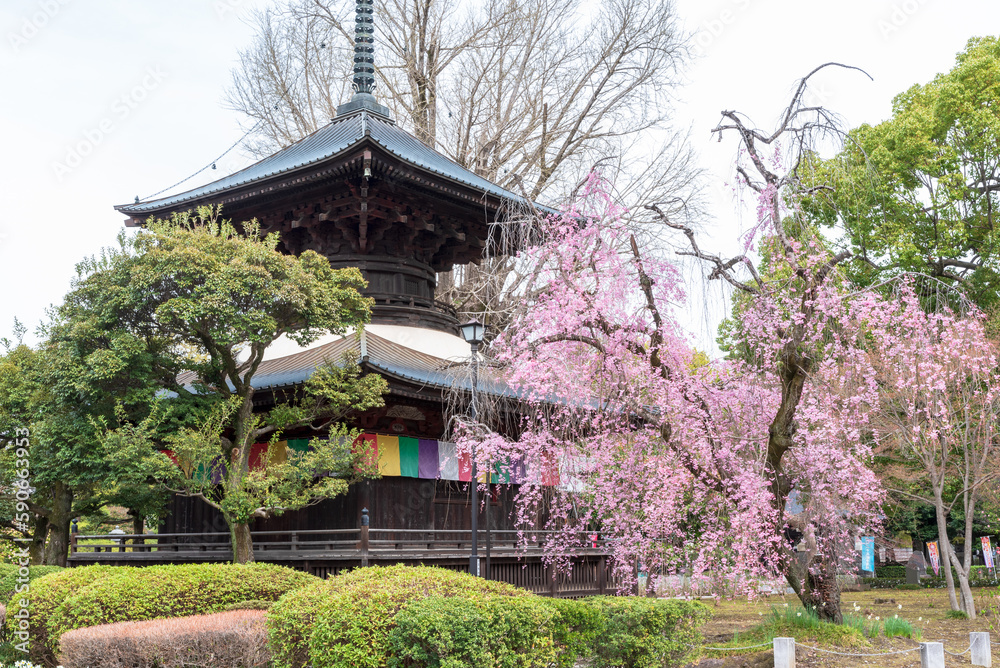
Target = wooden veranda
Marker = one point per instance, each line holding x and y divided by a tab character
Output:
327	552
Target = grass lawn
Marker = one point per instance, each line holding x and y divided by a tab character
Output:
741	623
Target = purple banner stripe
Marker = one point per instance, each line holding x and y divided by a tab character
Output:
427	459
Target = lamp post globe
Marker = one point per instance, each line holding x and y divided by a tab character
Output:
473	332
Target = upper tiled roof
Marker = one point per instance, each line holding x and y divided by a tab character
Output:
339	136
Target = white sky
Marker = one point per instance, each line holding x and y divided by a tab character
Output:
104	100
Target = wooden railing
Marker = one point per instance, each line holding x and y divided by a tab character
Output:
504	555
362	543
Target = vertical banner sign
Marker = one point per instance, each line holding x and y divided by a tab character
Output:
988	553
932	550
868	553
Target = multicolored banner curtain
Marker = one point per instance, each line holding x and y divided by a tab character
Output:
409	457
424	458
388	455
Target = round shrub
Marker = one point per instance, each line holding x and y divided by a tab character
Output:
8	578
236	639
249	605
646	632
575	627
504	632
345	621
47	594
154	592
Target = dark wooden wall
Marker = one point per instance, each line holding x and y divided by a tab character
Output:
393	503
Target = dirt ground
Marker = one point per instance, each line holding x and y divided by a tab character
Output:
925	609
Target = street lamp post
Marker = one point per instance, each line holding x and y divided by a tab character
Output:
473	332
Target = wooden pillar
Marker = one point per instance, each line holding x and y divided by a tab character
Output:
602	575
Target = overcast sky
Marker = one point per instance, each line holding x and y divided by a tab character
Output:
106	100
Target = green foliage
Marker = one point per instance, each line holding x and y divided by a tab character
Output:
897	626
209	297
918	192
867	628
345	621
8	578
891	571
136	594
956	614
803	624
45	597
575	628
883	583
504	632
86	374
255	604
645	632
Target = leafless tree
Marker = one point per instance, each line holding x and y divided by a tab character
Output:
530	95
509	89
290	80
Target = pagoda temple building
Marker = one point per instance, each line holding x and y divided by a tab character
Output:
365	193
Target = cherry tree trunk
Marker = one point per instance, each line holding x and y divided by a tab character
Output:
821	591
813	578
945	548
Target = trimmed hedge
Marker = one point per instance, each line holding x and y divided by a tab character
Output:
344	622
500	632
223	640
153	592
646	632
575	628
8	578
891	571
45	596
249	605
421	617
883	583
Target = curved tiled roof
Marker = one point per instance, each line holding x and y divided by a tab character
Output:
339	136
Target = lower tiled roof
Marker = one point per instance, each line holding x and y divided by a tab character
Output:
377	353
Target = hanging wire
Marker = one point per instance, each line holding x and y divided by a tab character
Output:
210	164
730	649
239	141
830	651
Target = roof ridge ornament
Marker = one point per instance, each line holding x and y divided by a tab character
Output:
363	82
